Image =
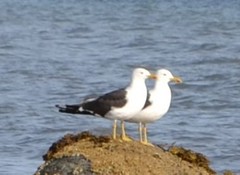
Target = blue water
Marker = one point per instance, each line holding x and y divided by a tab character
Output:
57	52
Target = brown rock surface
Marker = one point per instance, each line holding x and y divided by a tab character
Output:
110	157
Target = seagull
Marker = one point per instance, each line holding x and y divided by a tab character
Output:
157	103
121	104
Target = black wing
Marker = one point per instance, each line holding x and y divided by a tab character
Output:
71	109
103	104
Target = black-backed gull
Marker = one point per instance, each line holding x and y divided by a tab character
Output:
121	104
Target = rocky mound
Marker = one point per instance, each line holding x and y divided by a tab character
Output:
88	154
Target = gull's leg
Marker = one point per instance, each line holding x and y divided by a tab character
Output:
124	136
140	132
114	130
145	140
145	137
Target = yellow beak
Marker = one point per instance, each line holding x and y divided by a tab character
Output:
152	76
176	79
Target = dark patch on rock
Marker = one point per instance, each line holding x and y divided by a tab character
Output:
66	165
191	157
228	172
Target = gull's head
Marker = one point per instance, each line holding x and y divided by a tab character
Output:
143	74
165	75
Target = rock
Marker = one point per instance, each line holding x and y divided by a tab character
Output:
66	165
192	157
88	154
228	172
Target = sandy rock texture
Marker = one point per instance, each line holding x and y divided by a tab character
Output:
87	154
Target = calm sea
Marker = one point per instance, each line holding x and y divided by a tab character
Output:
58	51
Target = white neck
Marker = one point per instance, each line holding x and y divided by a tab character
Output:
137	82
138	88
162	93
161	85
162	88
